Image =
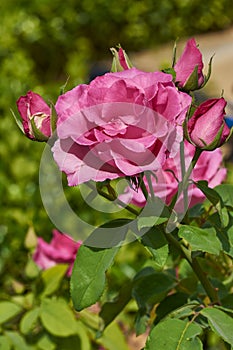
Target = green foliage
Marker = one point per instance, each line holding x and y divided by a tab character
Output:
175	334
201	239
88	276
8	310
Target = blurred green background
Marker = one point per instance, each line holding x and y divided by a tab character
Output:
42	43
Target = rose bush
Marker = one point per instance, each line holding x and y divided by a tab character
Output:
166	180
120	124
61	249
36	115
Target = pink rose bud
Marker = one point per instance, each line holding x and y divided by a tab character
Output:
120	60
36	115
207	128
189	67
62	249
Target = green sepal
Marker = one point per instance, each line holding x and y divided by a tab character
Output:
170	71
174	54
207	77
110	194
116	65
38	135
53	118
192	82
18	121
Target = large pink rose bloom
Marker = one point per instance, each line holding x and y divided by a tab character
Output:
120	124
61	250
165	182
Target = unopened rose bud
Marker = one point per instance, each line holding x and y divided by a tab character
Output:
206	128
120	60
36	116
189	75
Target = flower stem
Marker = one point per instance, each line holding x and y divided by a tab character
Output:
117	201
193	262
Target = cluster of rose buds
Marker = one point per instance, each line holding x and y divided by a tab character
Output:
206	127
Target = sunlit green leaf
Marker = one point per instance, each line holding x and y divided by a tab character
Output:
201	239
52	278
174	334
8	310
88	275
57	317
28	320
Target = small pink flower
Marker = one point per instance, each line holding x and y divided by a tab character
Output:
190	60
121	124
33	109
207	128
61	250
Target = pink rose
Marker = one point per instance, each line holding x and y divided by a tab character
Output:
165	182
62	249
33	109
190	60
120	124
207	128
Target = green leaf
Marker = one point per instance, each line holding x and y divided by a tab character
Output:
29	320
225	235
88	275
214	197
172	303
102	238
113	338
226	193
210	193
174	334
70	343
157	245
149	221
151	286
8	310
57	317
52	278
45	343
5	343
201	239
154	213
220	323
111	309
83	333
18	341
